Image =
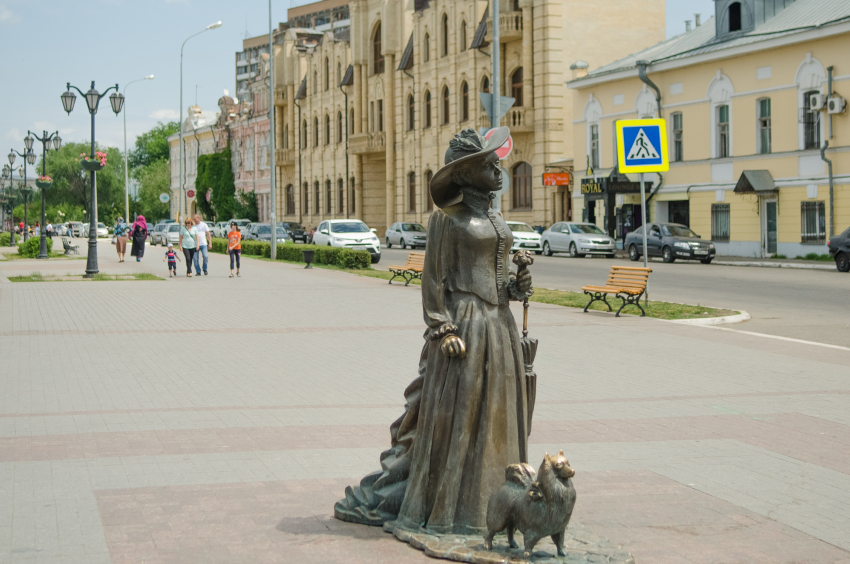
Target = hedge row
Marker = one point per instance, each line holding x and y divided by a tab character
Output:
29	249
4	239
344	258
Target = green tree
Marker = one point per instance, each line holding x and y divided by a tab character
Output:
247	206
219	176
152	145
154	179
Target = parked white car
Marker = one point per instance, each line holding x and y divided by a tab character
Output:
578	239
406	234
171	234
348	233
525	237
220	229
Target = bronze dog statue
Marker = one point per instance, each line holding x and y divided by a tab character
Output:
539	504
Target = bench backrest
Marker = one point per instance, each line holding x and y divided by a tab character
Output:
633	277
415	260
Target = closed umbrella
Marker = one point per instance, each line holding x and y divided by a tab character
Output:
523	259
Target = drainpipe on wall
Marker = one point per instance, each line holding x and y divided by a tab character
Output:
300	141
641	66
416	170
347	176
828	94
831	197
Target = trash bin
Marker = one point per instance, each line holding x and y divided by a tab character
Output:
308	257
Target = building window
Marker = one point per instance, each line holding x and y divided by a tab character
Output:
327	129
304	134
315	82
305	205
735	16
464	102
372	116
377	56
328	197
327	74
290	200
340	195
411	192
522	186
317	197
338	74
352	200
351	122
463	36
764	126
427	109
315	132
286	136
445	39
678	149
429	206
445	105
485	84
411	113
339	128
426	48
516	86
720	222
380	115
812	222
594	145
722	131
811	121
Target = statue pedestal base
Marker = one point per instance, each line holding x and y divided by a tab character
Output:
580	546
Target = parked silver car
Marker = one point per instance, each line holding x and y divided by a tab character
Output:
171	234
578	239
406	234
157	234
525	237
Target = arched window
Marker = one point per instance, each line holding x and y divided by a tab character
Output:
445	105
327	74
350	121
339	127
340	195
286	136
317	197
352	204
516	86
464	101
377	56
304	134
444	40
430	201
338	73
426	48
290	200
411	192
305	205
327	129
411	113
315	82
485	84
522	186
735	16
315	132
427	110
463	36
329	198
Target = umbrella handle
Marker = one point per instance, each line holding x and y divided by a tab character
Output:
525	318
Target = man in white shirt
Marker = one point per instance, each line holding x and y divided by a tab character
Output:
49	229
204	240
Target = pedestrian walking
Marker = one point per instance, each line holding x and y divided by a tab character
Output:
120	233
139	233
234	247
172	259
204	239
70	230
189	243
49	229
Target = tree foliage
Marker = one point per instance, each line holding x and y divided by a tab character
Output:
217	175
152	146
154	179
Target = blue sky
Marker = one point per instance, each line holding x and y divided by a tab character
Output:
47	43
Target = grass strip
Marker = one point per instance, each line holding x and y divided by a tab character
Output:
99	277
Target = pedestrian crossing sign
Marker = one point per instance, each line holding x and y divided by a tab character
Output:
642	145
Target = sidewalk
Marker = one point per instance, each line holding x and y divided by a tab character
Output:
217	420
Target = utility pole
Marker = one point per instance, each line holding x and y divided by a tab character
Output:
272	133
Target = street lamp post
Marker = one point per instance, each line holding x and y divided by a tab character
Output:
92	100
29	157
45	146
9	199
25	190
126	170
180	178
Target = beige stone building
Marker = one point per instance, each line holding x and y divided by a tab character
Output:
368	100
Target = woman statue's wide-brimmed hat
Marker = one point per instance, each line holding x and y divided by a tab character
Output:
466	146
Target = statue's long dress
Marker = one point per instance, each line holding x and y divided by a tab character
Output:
466	419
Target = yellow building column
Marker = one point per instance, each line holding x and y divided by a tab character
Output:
527	53
389	127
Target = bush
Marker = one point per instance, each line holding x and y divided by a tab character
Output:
29	249
4	239
343	258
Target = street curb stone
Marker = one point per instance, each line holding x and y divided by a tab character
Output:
726	319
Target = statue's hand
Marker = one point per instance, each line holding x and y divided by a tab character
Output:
453	346
523	281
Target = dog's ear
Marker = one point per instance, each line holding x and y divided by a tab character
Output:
560	452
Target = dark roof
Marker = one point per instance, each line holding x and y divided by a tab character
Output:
348	77
419	5
302	90
407	57
343	34
755	181
481	32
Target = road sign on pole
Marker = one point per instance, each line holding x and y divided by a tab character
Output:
190	193
642	145
505	150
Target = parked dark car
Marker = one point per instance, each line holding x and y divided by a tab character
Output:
670	241
296	231
263	232
839	248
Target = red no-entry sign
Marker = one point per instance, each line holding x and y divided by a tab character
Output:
505	150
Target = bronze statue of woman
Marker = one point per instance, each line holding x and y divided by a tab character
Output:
466	416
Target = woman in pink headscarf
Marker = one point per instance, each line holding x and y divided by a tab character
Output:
139	235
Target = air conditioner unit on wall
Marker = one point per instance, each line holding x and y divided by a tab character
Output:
836	105
817	102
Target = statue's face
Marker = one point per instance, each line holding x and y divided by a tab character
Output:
487	175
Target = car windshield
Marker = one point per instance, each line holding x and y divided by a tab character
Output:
586	228
174	228
412	227
521	228
101	226
349	227
677	231
264	229
294	226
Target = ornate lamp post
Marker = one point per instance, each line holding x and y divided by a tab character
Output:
7	203
45	184
29	157
92	100
25	190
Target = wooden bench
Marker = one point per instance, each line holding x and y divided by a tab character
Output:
69	248
626	282
411	269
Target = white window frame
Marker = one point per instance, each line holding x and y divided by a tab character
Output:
759	144
810	76
720	92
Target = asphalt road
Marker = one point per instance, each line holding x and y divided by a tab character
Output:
812	305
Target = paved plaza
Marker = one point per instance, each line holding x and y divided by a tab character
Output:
217	420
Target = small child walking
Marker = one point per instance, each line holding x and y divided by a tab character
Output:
172	259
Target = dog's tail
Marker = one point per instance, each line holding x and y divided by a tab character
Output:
520	474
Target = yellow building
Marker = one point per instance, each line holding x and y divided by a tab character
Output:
750	99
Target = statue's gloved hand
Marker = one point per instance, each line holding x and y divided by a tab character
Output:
523	281
453	346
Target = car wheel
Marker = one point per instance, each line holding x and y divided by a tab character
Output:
706	260
633	253
667	255
547	250
403	245
389	245
842	262
574	251
376	259
611	255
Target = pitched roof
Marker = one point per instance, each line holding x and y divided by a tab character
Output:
343	34
479	40
347	78
407	57
302	90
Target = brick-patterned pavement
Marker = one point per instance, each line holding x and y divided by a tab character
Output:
217	420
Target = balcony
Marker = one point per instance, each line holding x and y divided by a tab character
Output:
510	27
520	120
365	143
285	157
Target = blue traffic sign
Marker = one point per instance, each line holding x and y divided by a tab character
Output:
642	145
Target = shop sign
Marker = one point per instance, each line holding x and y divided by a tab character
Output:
592	186
556	179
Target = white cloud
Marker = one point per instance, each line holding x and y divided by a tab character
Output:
5	14
164	114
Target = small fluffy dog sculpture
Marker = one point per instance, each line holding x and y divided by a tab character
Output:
539	504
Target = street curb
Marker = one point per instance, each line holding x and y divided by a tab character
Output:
726	319
776	265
